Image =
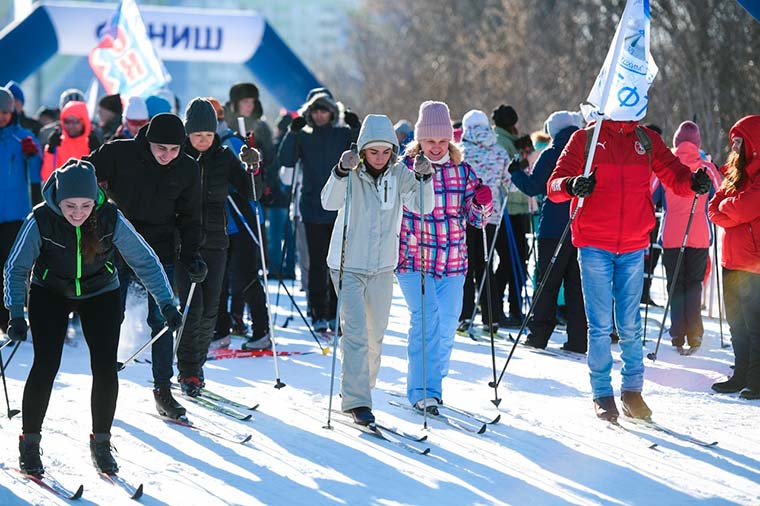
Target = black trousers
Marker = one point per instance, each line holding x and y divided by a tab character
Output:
741	293
100	317
475	270
686	303
8	232
201	318
566	268
322	299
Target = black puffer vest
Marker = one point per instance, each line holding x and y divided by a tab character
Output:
60	265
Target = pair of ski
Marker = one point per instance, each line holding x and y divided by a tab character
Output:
386	434
455	418
652	425
220	404
52	485
225	353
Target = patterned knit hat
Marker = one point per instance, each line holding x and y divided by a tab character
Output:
433	122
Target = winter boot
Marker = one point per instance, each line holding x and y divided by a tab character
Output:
190	385
219	342
730	386
606	408
239	327
258	343
100	451
166	404
29	454
464	325
750	394
429	404
634	406
362	415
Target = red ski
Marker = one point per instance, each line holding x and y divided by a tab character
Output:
222	353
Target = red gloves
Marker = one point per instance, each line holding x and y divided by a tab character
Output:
483	195
28	146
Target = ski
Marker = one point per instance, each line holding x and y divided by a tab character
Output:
617	427
462	412
117	481
557	352
401	433
52	485
225	353
213	396
219	407
670	432
450	421
184	422
377	433
5	342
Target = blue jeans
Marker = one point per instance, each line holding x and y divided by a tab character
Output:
279	224
613	280
443	303
162	351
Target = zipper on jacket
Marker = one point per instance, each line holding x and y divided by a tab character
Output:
44	274
79	262
386	192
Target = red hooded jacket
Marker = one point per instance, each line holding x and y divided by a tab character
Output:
738	212
619	215
71	147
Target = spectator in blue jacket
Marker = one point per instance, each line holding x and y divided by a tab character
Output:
20	163
554	217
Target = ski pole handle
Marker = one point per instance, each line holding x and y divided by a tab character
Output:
241	126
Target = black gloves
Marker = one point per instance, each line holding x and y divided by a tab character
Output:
297	124
517	164
17	328
352	120
54	140
700	182
172	316
196	268
581	186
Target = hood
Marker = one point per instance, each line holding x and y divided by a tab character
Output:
323	99
78	109
748	128
689	155
479	134
558	121
377	127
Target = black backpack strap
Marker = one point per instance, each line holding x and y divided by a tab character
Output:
645	142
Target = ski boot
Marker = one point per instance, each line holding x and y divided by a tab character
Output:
166	404
429	404
29	454
606	408
634	406
190	385
258	343
362	416
100	451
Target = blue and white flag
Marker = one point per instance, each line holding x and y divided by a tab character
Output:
634	69
125	61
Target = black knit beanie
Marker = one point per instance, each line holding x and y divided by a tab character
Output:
504	116
240	91
76	179
112	103
166	128
200	116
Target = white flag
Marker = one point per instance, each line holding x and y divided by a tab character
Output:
633	66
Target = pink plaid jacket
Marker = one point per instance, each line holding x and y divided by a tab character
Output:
444	231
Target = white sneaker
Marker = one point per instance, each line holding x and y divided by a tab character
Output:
429	404
263	343
222	342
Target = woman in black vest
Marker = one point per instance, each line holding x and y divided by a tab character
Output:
68	243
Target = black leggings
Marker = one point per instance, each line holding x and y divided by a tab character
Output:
49	319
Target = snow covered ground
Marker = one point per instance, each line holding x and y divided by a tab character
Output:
548	448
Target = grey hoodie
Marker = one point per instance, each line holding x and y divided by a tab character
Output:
27	248
376	206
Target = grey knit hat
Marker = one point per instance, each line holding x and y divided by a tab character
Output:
6	100
76	179
200	116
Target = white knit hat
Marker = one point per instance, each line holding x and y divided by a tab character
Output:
136	109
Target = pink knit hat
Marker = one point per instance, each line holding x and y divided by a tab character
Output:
688	131
434	121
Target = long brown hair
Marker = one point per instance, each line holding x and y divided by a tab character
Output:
736	174
90	236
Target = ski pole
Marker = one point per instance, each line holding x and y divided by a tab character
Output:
490	256
716	266
422	298
185	312
487	277
285	232
344	236
653	356
121	365
646	309
251	142
11	412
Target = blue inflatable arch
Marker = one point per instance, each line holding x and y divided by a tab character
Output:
179	34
